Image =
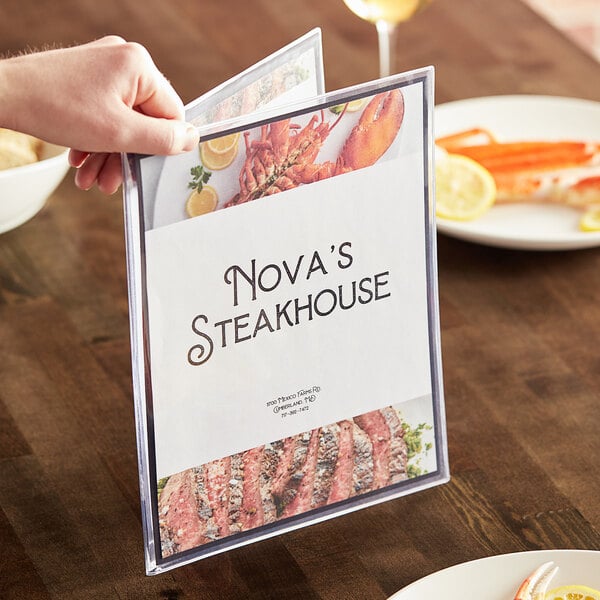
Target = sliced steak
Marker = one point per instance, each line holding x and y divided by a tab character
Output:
272	456
181	525
252	511
236	493
282	479
306	479
341	486
362	471
327	457
374	425
289	471
398	449
217	478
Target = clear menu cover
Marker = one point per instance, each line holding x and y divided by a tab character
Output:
283	306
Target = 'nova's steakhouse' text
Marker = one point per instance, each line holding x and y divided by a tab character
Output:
249	283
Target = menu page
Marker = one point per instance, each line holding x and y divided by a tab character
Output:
291	366
294	307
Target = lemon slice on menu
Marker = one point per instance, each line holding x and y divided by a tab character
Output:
201	202
465	189
590	221
352	106
223	144
573	592
216	161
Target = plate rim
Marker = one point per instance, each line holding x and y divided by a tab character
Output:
544	555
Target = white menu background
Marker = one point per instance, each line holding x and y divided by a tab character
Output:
348	362
363	358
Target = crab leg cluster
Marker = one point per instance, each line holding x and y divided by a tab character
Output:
567	172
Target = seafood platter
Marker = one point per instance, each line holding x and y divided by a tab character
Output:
544	155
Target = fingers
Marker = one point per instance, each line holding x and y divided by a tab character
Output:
111	174
101	168
145	88
150	118
77	157
159	122
155	95
108	40
139	112
157	98
150	135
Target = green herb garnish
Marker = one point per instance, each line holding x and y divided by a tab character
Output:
416	449
161	484
199	177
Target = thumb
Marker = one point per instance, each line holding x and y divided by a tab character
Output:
151	135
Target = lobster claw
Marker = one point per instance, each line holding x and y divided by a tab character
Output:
375	131
535	585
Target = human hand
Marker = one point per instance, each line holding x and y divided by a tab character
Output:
100	99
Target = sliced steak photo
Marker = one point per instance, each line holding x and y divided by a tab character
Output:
282	479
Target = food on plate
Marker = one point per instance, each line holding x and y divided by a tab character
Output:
283	479
535	585
464	189
18	149
590	221
533	171
473	136
562	172
573	592
584	192
284	156
219	153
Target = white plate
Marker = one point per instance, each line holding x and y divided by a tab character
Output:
499	577
523	226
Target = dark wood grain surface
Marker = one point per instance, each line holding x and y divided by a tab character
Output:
520	335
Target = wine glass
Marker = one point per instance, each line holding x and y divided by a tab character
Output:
386	14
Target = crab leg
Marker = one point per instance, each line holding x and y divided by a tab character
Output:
535	156
463	138
535	585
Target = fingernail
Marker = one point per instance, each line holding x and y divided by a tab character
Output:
188	137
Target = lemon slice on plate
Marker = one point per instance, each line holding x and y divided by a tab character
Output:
590	221
201	202
465	189
573	592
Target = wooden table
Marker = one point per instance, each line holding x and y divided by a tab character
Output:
520	337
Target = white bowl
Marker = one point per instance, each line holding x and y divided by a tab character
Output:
24	190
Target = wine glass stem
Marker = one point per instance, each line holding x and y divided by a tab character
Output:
386	33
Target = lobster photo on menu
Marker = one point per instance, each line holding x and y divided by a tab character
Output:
285	154
290	318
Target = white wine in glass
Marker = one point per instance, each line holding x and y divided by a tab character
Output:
386	14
